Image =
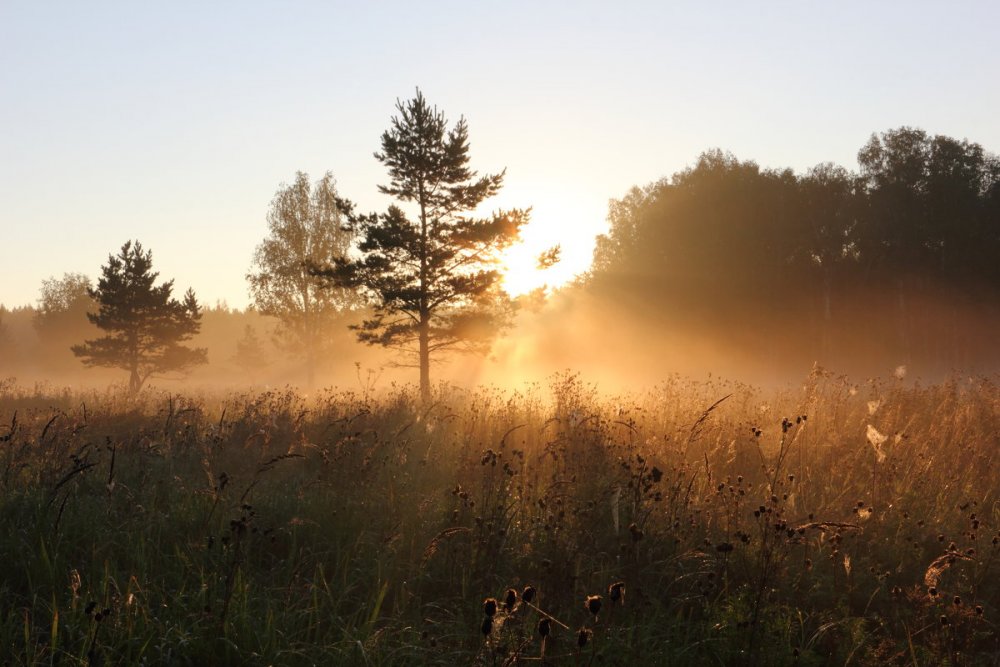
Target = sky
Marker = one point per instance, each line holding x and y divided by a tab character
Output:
175	123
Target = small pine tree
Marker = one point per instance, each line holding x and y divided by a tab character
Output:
145	326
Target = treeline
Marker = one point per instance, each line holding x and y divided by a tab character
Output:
897	262
245	347
725	266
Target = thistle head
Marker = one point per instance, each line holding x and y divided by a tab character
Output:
490	607
593	604
509	599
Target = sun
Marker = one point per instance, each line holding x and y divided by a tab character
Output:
559	218
521	273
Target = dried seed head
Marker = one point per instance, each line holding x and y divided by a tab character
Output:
528	594
616	592
544	627
490	607
593	604
583	636
509	599
487	626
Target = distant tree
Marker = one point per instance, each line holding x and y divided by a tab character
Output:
897	238
61	313
826	257
250	355
307	227
713	238
145	326
629	219
430	279
901	259
929	234
7	348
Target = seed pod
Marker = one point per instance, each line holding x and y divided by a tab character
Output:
544	627
490	607
616	592
593	604
487	626
528	594
583	636
509	599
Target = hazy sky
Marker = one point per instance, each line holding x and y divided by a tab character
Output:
175	122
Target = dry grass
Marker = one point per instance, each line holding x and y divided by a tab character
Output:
261	528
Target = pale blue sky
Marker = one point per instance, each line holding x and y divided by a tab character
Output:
174	123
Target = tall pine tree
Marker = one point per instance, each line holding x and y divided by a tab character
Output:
430	274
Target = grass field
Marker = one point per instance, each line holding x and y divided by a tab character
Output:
831	523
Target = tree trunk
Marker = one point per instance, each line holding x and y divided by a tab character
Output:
310	367
425	361
826	334
309	337
902	315
134	381
425	312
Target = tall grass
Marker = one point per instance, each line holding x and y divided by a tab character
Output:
826	524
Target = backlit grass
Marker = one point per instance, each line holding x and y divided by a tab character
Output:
830	523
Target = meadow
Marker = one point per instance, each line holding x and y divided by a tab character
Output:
695	523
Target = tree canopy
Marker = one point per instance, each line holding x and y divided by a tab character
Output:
901	257
430	274
145	327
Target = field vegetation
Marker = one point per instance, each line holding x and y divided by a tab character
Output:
697	523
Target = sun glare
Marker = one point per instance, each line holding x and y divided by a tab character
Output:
520	270
522	273
569	226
